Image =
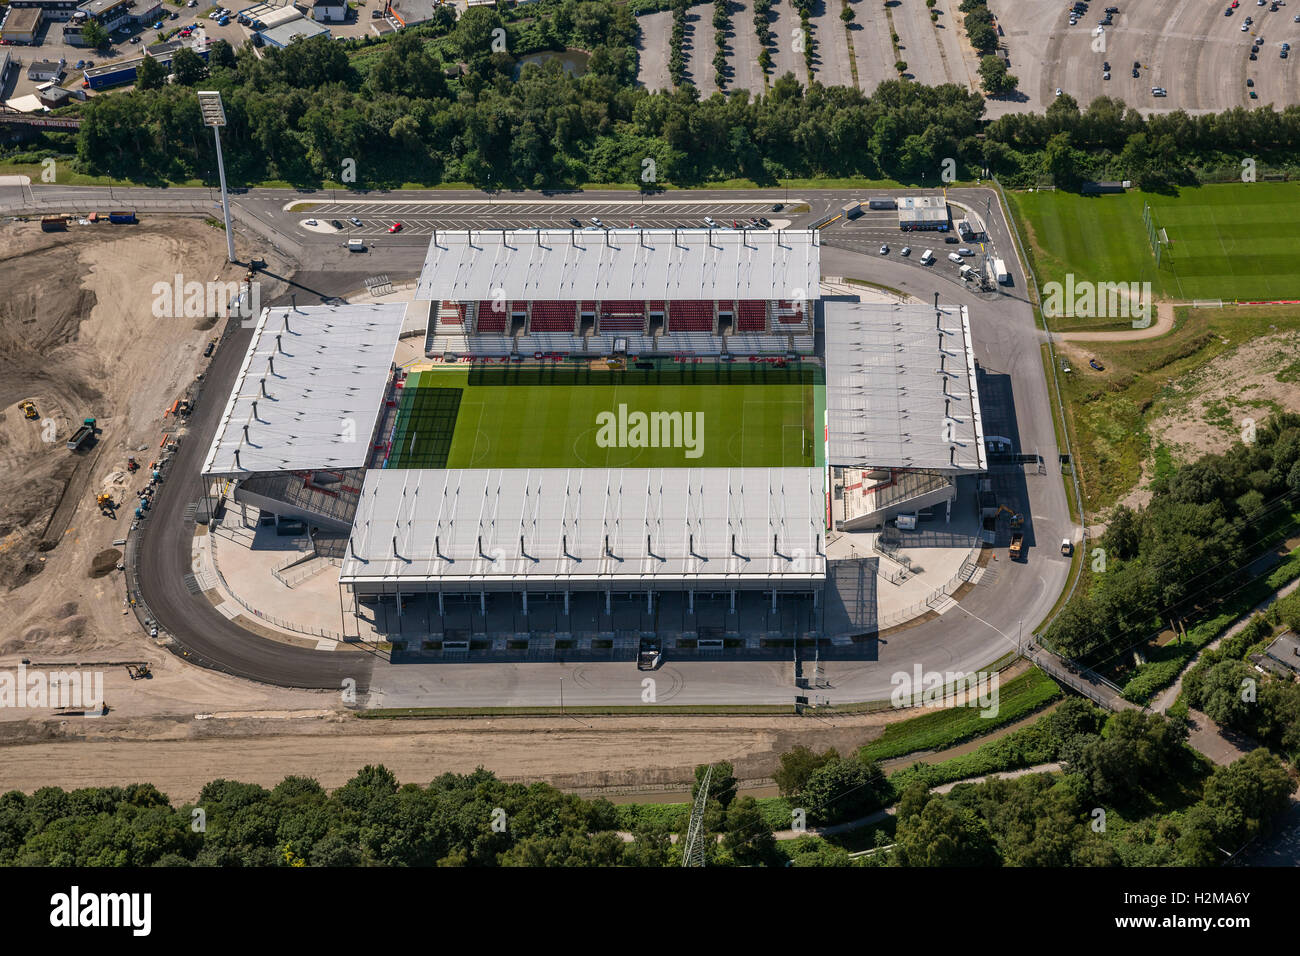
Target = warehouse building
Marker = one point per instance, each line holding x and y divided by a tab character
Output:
923	213
22	24
297	28
54	10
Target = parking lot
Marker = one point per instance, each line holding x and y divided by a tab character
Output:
420	219
1188	47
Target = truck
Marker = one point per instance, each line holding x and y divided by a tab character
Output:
1017	545
82	435
356	245
998	272
882	202
967	273
122	217
852	210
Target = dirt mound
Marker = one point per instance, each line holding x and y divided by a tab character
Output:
105	562
65	610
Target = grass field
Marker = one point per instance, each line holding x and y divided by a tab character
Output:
712	417
1230	241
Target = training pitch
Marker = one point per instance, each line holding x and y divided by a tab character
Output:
1230	241
671	416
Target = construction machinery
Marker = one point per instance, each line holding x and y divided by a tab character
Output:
1017	519
139	671
131	463
104	501
29	409
82	434
1017	546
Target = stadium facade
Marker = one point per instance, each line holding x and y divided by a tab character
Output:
879	416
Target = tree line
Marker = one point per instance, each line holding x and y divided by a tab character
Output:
1189	546
447	102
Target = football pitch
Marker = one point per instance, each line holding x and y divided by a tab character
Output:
1230	241
715	416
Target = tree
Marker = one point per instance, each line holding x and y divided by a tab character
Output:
944	835
188	67
847	14
222	55
748	838
95	35
797	765
722	783
844	790
994	76
150	75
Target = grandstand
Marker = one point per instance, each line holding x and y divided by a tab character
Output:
527	466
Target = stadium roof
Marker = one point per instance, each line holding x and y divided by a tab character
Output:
551	264
309	391
900	387
589	528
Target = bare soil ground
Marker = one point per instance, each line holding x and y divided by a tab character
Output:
1244	383
180	755
78	337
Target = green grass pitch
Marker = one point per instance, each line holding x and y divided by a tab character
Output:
1229	241
460	417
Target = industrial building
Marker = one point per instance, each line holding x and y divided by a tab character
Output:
22	24
328	11
297	28
923	213
40	71
121	72
53	10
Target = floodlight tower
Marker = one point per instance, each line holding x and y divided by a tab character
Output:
214	115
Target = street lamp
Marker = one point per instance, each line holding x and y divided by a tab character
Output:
214	115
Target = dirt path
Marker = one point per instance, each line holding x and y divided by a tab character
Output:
1164	323
180	755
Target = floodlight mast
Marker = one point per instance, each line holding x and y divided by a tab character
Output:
214	115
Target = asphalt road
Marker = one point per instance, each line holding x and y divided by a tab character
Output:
165	558
984	625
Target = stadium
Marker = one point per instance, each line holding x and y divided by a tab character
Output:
607	437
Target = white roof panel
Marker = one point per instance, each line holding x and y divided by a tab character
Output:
621	264
900	387
310	390
589	527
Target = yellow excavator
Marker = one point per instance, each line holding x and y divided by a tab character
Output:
29	409
105	503
1017	519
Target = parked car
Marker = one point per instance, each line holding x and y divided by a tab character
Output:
354	220
884	250
963	251
905	251
951	240
395	227
174	16
1159	91
89	64
708	221
574	222
777	207
336	224
212	344
595	221
312	222
80	64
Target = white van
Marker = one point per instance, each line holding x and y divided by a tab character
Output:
953	257
927	257
356	245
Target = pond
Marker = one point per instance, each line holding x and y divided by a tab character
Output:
574	62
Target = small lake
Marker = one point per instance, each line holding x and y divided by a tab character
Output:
574	62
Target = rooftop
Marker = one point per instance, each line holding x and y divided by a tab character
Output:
96	7
286	33
549	264
309	391
590	527
900	387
